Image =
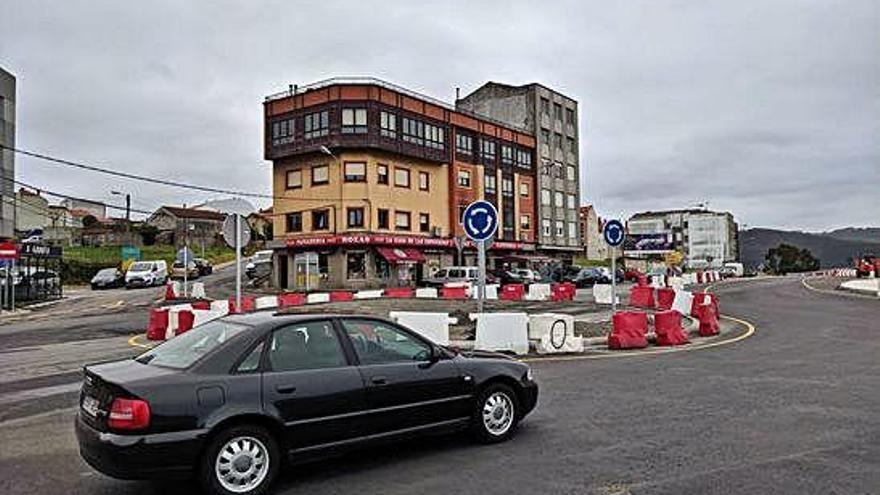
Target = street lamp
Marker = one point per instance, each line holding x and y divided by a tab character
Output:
127	214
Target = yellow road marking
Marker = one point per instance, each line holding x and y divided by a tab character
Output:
133	341
750	330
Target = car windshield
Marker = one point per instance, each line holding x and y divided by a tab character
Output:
107	272
184	350
141	267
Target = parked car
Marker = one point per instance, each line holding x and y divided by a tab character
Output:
192	270
588	277
146	273
108	278
231	401
527	275
451	274
259	264
505	277
204	266
866	264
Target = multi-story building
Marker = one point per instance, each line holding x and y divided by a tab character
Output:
31	210
553	119
95	208
370	181
7	157
707	239
591	225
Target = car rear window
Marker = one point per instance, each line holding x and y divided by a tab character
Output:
184	350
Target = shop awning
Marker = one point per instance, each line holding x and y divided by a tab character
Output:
401	255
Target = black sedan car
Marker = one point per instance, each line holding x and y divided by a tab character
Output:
231	401
108	278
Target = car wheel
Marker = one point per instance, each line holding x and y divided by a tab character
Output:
496	414
240	460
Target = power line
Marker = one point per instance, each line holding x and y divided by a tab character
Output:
74	198
164	182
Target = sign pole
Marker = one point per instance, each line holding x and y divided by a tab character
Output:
481	274
185	267
12	306
238	263
613	281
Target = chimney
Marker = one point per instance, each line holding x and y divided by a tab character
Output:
457	93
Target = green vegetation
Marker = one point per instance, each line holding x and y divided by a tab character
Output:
80	264
790	259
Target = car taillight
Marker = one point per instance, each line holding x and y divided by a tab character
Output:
129	414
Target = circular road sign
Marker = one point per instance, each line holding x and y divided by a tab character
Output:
480	220
229	230
614	233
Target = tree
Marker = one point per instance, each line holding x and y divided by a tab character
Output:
148	234
786	258
89	221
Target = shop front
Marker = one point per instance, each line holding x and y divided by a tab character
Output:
367	261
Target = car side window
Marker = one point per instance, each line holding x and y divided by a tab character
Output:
376	342
252	362
440	274
306	346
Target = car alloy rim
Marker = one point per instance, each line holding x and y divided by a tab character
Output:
242	464
498	413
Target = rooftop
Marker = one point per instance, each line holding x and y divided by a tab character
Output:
194	213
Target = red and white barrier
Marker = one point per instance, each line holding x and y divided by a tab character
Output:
433	326
426	293
668	329
265	302
502	332
554	333
683	302
513	292
665	298
538	292
641	297
368	294
491	292
629	330
602	294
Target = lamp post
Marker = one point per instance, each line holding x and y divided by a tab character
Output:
127	214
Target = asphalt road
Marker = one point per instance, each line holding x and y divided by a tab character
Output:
793	409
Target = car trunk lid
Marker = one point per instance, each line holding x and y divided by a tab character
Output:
102	383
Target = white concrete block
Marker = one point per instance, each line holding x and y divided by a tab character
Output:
433	326
426	293
502	332
538	292
221	306
318	297
266	302
198	290
682	302
368	294
491	291
543	323
602	294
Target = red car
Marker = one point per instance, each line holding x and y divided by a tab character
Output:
866	265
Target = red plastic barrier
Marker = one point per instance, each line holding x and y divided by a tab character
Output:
558	292
665	298
158	324
628	330
641	297
169	292
453	292
291	299
708	317
700	300
248	303
341	295
571	288
700	277
667	326
399	292
512	292
201	304
185	321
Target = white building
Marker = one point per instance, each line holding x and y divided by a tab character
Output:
707	239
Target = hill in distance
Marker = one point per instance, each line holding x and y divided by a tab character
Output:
834	249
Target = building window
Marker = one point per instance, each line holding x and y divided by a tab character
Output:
506	154
545	227
572	202
294	222
524	159
525	222
382	218
424	222
487	149
524	189
355	172
401	177
490	182
413	131
317	124
558	170
560	199
572	230
388	124
545	106
461	209
507	218
354	120
356	266
401	220
320	175
320	219
355	218
282	132
572	146
560	228
294	179
435	137
571	173
506	186
424	181
382	174
569	116
545	197
464	178
464	144
557	111
558	141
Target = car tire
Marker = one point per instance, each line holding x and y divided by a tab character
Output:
496	414
255	443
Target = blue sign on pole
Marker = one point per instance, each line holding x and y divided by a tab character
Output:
480	220
614	233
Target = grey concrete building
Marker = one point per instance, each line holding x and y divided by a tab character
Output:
7	158
553	119
706	238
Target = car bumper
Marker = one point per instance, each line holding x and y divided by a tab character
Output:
529	397
139	456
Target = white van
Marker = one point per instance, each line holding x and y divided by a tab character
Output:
146	273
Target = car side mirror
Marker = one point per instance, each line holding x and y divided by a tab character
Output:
436	354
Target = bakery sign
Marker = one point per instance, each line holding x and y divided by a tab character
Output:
396	240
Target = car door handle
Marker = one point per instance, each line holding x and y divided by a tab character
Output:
285	389
379	380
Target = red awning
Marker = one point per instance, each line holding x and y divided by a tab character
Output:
401	255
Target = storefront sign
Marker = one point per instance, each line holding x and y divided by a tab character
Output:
398	240
40	250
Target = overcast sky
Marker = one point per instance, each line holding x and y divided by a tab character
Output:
768	109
